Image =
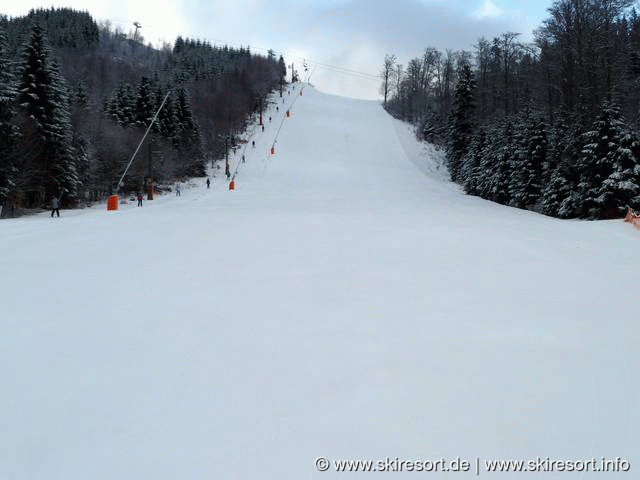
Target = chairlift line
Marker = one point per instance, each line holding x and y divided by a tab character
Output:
307	63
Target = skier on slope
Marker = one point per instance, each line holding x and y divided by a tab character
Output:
208	183
55	206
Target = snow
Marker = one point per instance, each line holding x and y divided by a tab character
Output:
345	301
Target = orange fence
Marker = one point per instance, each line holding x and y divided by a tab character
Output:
633	218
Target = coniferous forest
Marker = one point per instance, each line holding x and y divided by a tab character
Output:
76	98
551	126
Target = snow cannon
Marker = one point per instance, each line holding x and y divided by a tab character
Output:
112	203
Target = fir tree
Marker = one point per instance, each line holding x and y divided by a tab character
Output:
122	105
517	163
557	196
622	187
184	114
471	170
145	103
607	167
167	119
531	157
188	140
8	95
501	168
44	98
461	120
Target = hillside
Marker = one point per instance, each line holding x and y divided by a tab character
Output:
345	301
76	98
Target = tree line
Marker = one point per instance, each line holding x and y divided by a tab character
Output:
76	97
551	126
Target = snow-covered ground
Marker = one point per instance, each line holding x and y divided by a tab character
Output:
345	301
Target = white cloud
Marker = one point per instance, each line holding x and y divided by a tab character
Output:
345	36
488	10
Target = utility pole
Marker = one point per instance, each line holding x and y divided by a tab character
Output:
149	182
149	166
227	171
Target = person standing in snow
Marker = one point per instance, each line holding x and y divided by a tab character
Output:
208	183
55	206
177	190
139	199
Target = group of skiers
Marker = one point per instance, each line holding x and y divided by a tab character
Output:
55	201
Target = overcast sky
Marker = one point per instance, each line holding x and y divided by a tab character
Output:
343	41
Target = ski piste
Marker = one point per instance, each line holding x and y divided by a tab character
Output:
345	301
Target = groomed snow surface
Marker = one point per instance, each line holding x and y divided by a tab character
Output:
345	301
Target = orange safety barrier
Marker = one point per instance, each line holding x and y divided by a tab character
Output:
232	185
633	218
273	150
112	202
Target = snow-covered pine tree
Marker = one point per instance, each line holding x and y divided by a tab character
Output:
82	133
8	96
432	129
145	103
560	196
607	166
557	195
43	96
187	139
485	171
461	128
122	105
517	161
65	167
167	118
184	113
528	162
494	171
622	187
471	174
501	168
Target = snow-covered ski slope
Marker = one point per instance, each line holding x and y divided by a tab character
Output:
345	301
